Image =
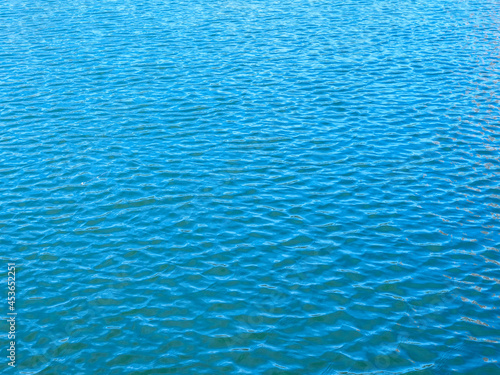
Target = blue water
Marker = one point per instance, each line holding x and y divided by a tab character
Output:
251	187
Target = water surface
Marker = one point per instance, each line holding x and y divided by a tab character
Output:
252	187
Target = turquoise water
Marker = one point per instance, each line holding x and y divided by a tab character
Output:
251	187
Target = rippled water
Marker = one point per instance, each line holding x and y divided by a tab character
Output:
252	187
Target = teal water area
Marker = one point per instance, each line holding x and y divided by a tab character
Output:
304	187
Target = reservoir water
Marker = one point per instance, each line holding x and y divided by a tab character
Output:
304	187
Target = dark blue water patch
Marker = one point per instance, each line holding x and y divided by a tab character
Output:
257	187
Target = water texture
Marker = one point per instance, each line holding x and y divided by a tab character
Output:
251	187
